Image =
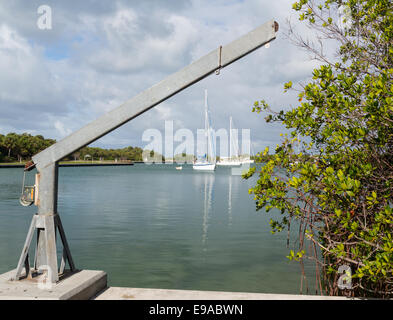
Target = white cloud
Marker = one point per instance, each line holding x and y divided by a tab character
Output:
129	49
60	127
10	40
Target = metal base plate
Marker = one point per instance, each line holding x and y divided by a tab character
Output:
80	285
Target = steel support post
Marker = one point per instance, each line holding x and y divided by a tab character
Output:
47	209
45	222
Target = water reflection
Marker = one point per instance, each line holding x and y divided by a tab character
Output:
207	206
230	201
156	227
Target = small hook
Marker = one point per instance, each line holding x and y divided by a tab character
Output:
219	61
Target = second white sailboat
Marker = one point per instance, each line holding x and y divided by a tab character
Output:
233	159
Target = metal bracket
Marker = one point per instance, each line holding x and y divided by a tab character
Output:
44	226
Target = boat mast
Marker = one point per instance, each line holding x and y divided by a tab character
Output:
234	147
206	128
230	138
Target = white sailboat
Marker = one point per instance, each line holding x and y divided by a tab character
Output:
208	161
232	160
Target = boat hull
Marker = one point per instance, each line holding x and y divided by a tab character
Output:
247	161
204	166
229	163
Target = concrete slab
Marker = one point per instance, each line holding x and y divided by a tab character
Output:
81	285
116	293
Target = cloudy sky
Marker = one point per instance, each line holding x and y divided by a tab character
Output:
99	54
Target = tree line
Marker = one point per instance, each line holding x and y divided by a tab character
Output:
21	147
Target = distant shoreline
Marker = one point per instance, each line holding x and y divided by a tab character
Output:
75	164
92	164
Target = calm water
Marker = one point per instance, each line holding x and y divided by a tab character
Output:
157	227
